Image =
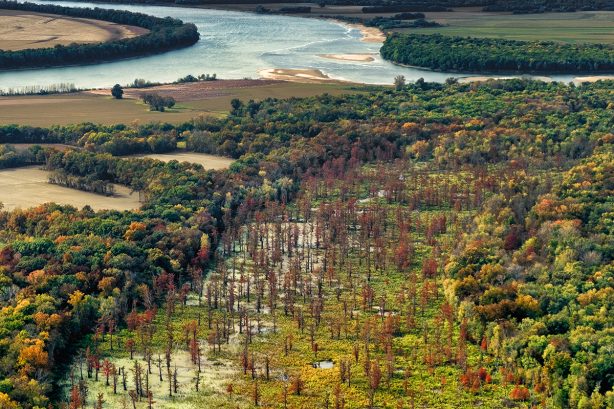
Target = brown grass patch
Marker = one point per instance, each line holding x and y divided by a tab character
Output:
24	29
209	162
28	187
193	91
195	99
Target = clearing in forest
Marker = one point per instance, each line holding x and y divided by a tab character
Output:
209	162
27	187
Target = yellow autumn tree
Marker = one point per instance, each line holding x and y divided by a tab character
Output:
134	231
6	402
33	356
75	298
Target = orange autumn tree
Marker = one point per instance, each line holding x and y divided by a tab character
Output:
33	357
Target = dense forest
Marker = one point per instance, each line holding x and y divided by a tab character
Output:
165	34
467	54
432	244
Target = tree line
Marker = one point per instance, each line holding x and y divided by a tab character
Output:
401	20
11	157
451	53
116	139
164	34
541	6
86	184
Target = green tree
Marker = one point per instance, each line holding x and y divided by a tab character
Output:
117	91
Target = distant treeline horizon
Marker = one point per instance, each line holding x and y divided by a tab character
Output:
518	6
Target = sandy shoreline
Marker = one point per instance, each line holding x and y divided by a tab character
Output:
369	34
593	78
349	57
306	75
311	75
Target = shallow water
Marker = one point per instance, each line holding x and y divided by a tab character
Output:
323	364
234	45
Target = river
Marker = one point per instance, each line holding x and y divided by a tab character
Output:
234	45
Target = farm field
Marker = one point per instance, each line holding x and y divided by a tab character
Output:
583	26
20	30
193	101
29	187
209	162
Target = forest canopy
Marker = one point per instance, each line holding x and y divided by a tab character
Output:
451	53
512	309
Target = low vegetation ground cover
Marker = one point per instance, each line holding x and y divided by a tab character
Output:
579	27
67	109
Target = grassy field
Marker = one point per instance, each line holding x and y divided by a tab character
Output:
589	26
28	187
20	30
87	107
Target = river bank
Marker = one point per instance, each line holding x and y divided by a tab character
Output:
302	75
264	42
369	34
349	57
340	52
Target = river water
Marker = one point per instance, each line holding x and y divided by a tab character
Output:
234	45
